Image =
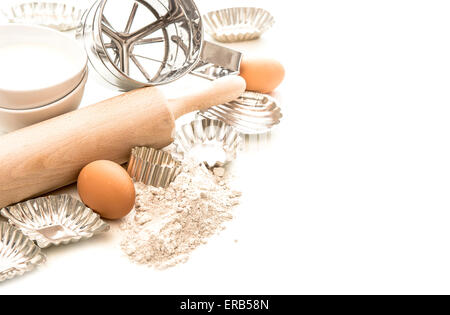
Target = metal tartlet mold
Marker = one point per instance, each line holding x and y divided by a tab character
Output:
153	42
60	16
18	254
153	167
251	113
237	24
55	220
207	141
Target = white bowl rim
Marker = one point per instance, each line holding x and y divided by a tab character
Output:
35	109
54	32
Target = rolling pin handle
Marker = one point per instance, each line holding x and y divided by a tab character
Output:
218	92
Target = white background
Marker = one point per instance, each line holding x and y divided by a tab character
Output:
351	194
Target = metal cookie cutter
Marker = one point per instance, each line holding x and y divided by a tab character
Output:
137	43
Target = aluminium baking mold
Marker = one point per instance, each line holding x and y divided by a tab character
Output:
212	142
153	167
60	16
18	254
237	24
252	113
55	220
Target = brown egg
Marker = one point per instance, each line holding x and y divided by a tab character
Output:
261	74
106	188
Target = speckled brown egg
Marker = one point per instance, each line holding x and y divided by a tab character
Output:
262	75
106	188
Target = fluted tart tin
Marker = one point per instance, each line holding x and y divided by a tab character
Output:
211	142
57	15
55	220
237	24
252	113
153	167
18	254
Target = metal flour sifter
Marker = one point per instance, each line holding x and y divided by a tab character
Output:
156	42
153	42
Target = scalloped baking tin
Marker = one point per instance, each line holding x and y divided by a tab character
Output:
252	113
153	167
211	142
55	220
60	16
237	24
18	254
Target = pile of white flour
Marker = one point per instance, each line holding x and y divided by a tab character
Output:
168	224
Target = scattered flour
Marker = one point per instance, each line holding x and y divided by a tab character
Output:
168	224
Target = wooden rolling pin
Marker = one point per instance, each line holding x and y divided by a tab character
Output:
49	155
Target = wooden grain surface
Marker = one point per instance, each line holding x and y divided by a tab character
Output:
49	155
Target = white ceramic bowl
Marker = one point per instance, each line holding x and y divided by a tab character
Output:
12	119
38	66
